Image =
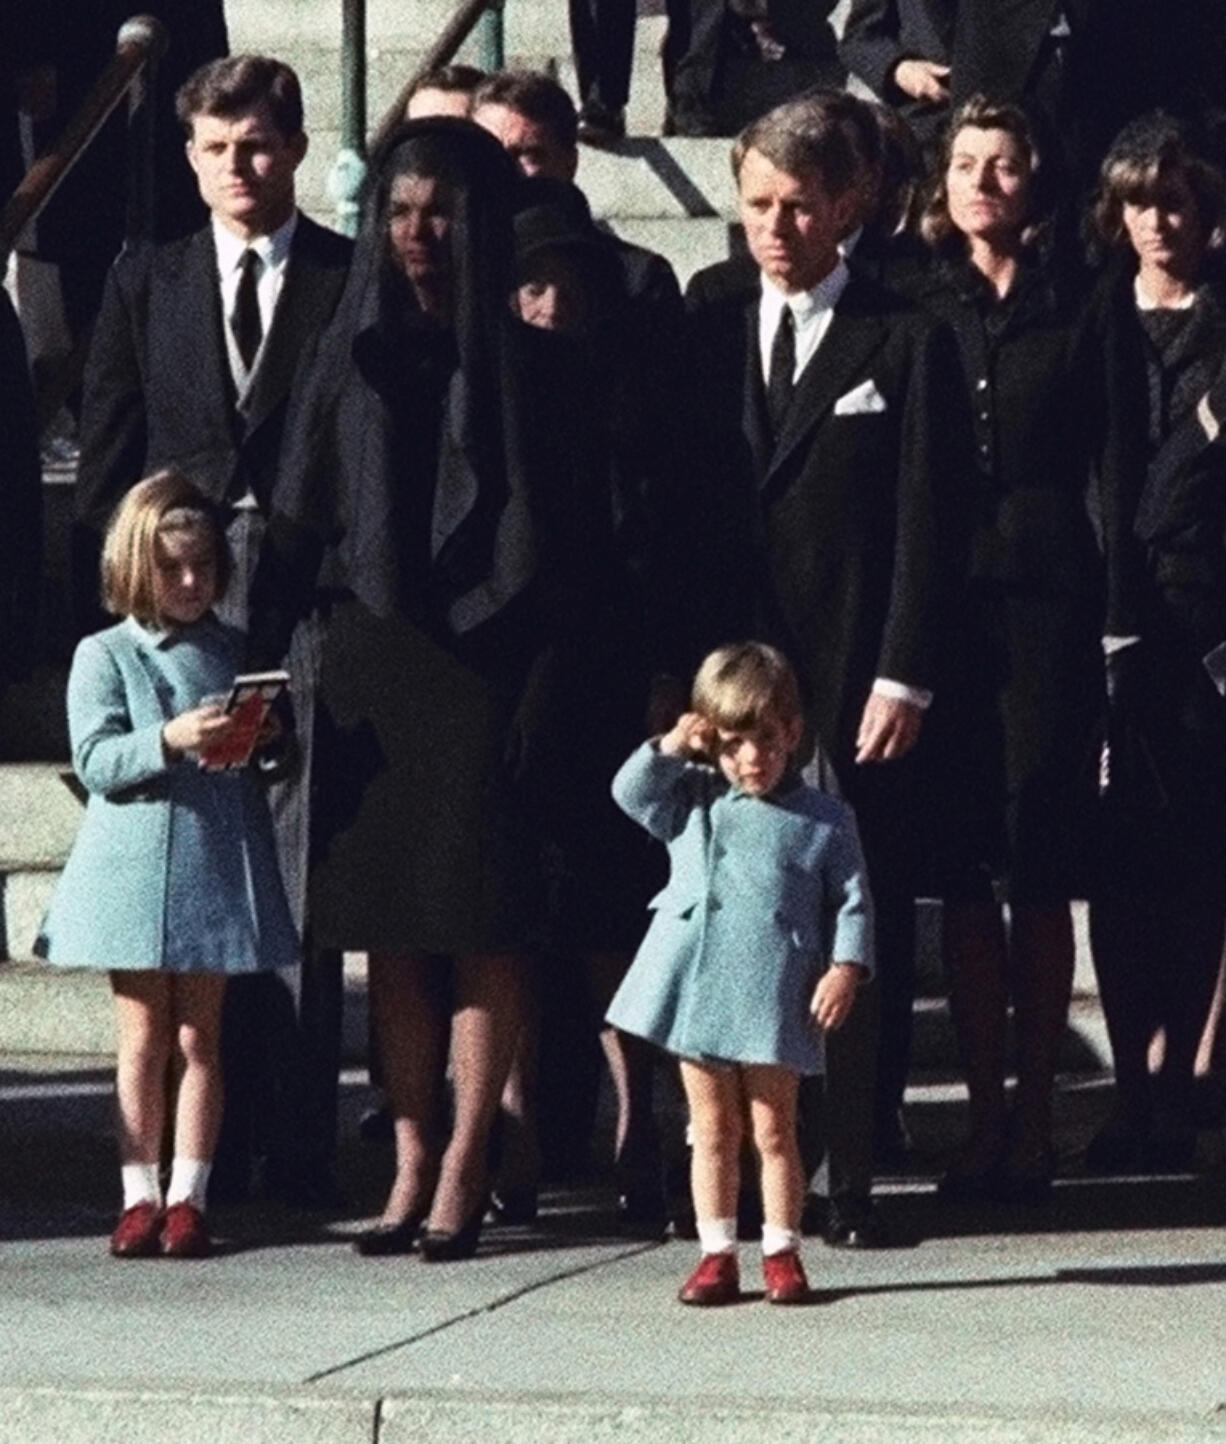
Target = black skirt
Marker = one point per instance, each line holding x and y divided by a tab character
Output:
1015	718
422	840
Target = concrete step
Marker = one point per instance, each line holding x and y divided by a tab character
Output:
40	810
55	1011
1084	1046
67	1012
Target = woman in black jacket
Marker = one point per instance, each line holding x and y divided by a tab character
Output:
1013	712
1157	331
425	504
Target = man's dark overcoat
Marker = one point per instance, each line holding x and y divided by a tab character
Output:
837	520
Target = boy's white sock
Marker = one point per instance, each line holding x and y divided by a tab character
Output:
142	1183
717	1235
189	1182
776	1239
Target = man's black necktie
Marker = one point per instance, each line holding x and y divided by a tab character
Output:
779	385
248	328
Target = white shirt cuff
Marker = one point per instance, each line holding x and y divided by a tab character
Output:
919	697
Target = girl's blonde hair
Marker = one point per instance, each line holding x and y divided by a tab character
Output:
740	685
163	504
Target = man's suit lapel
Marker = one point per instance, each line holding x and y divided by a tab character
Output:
755	423
854	334
304	305
200	343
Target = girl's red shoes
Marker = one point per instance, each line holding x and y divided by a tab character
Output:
715	1281
785	1279
138	1233
185	1233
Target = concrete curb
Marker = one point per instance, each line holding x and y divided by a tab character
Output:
47	1414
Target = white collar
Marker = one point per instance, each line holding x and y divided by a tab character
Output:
805	305
272	249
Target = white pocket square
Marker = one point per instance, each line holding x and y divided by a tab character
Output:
860	400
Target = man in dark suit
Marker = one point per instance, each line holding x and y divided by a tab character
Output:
1085	67
815	392
195	352
901	50
166	383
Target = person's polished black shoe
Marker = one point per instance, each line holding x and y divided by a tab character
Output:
855	1223
384	1239
599	125
444	1245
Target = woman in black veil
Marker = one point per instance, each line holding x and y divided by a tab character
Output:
426	504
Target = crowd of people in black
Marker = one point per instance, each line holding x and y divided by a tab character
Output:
494	487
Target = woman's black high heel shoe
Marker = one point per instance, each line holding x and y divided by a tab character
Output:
384	1239
444	1245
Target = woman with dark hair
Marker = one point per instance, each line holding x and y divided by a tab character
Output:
1012	719
1158	332
425	503
569	282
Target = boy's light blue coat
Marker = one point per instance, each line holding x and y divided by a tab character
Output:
763	893
172	867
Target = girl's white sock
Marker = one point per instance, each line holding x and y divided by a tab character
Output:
776	1239
189	1181
717	1235
142	1183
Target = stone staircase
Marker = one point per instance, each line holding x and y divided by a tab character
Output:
674	196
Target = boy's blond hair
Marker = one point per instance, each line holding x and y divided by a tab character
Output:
740	685
163	503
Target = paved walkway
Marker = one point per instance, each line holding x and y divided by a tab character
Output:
1101	1317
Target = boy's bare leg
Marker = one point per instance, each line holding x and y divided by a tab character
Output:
714	1099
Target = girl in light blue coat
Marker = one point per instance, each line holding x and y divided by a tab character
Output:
172	882
758	943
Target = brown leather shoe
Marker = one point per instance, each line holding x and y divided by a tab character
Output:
715	1281
138	1232
785	1278
185	1233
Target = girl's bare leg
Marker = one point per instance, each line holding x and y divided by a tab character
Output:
144	1036
196	1000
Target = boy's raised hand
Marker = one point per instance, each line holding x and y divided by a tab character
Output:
690	736
835	993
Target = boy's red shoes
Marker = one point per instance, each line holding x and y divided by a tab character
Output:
785	1278
138	1232
714	1281
185	1233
